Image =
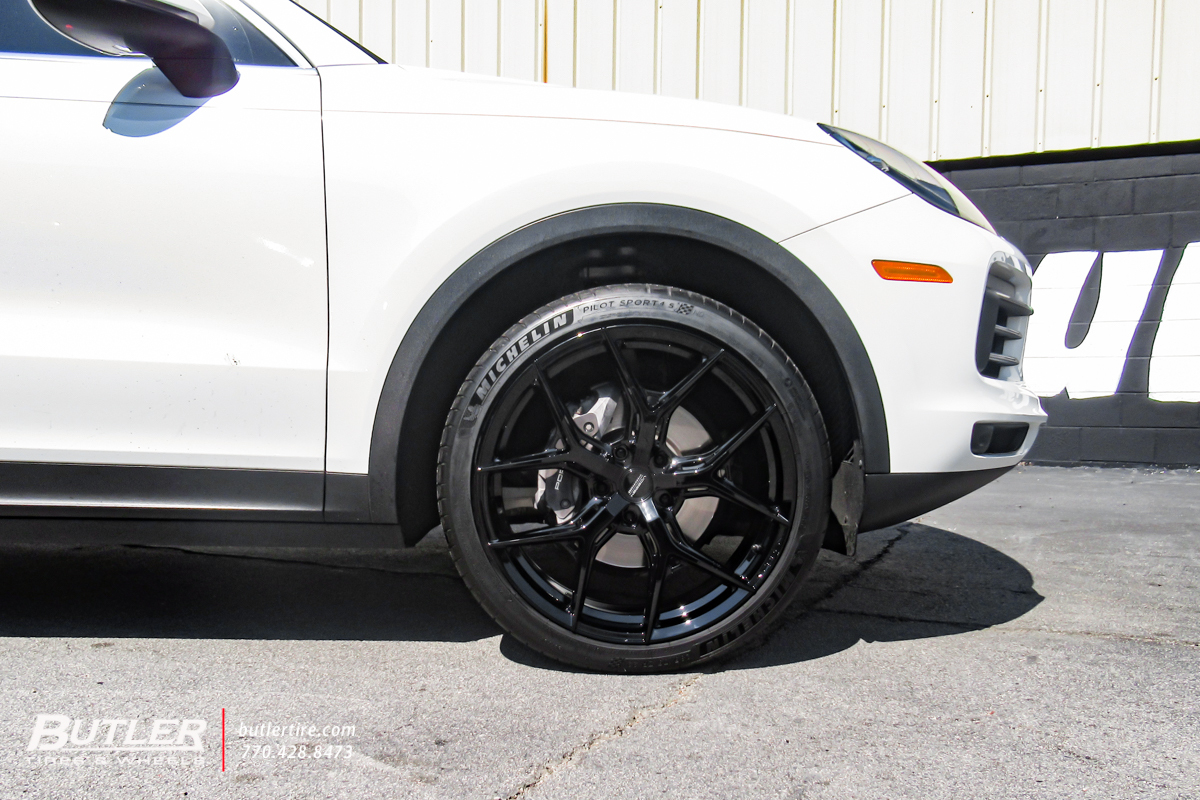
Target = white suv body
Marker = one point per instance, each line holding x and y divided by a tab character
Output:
238	306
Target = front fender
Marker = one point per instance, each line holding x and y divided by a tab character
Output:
392	417
412	196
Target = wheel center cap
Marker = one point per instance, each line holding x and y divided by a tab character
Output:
637	484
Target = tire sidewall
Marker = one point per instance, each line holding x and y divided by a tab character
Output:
540	332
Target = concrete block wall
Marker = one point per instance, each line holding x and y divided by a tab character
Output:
1082	203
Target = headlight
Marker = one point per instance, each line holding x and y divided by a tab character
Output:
921	179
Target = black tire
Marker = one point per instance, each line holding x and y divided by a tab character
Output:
634	536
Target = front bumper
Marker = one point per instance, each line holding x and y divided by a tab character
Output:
922	338
893	498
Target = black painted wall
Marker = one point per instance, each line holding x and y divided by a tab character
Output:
1092	200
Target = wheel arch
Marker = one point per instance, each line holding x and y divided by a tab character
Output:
597	245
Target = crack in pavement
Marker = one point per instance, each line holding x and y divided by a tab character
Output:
682	692
902	530
1100	762
860	567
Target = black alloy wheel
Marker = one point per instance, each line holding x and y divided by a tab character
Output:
634	479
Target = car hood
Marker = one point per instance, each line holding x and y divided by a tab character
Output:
414	90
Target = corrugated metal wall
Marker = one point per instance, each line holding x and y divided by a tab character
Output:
937	78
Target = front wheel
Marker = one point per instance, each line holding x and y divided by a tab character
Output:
634	479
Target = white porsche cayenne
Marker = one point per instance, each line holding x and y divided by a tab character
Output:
641	358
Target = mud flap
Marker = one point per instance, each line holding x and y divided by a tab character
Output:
846	500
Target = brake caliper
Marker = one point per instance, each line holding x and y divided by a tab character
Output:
557	490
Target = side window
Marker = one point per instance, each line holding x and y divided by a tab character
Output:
23	31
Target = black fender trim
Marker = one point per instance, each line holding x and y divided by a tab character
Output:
632	218
114	490
84	527
889	499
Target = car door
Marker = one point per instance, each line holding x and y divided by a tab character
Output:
163	283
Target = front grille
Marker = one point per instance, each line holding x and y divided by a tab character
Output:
1004	320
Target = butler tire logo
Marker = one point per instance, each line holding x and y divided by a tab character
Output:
62	734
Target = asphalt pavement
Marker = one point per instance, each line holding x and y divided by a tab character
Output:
1038	639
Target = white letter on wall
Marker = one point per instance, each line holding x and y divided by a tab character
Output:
1175	361
1094	368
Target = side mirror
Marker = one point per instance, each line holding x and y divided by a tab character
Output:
176	34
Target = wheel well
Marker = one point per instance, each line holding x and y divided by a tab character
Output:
588	262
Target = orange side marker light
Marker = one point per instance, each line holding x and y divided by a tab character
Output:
908	271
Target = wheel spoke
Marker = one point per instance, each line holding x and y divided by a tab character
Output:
633	389
657	561
595	516
542	460
587	559
676	394
690	555
726	490
707	461
567	429
665	523
556	533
